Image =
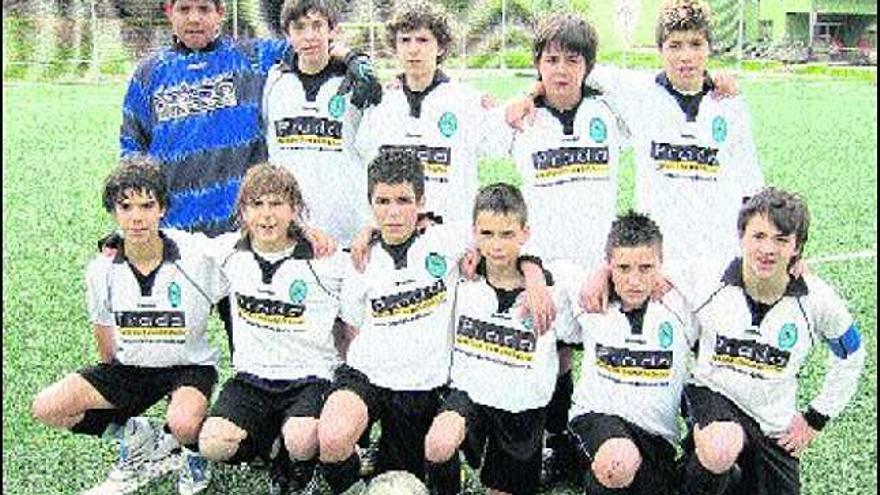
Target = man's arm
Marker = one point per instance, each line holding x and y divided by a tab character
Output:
136	133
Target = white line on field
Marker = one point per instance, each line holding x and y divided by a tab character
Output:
831	258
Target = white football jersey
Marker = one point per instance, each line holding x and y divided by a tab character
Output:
403	311
498	358
569	178
691	175
636	372
445	132
283	311
165	324
757	365
312	135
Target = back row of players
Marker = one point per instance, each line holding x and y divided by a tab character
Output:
694	156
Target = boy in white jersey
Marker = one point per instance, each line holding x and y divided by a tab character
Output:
284	304
149	305
503	372
438	120
568	161
311	126
401	312
756	332
626	402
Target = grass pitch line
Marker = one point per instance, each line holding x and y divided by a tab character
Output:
831	258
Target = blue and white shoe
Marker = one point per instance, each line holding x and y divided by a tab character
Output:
195	473
133	470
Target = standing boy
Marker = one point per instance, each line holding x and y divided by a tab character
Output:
756	331
311	126
439	121
568	161
503	371
284	301
625	409
149	305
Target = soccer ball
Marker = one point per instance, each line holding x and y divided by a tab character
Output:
396	483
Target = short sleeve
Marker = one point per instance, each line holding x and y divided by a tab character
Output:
353	304
98	302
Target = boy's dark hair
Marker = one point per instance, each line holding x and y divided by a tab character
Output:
683	15
416	14
217	3
266	178
786	211
294	9
633	230
396	168
138	173
573	34
503	199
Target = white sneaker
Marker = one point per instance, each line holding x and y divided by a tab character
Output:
167	455
194	473
133	467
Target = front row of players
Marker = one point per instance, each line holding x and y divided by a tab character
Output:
447	364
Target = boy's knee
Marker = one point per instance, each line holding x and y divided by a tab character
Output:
185	427
334	445
445	435
616	463
343	419
220	439
718	445
301	438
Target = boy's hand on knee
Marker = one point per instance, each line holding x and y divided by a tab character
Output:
797	437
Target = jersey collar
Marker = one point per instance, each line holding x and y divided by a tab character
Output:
302	251
181	48
797	287
415	98
566	117
311	82
689	104
170	251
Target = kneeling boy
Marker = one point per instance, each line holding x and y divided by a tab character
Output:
503	372
625	408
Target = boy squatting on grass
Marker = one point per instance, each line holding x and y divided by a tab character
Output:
195	107
756	331
401	310
285	302
149	305
503	372
624	413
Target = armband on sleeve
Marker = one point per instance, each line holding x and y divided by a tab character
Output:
847	344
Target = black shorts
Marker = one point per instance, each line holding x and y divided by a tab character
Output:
405	417
766	468
511	443
657	474
133	389
262	411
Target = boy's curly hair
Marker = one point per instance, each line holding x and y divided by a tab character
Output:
683	15
411	15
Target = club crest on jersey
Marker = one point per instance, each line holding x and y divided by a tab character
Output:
719	129
174	294
528	322
664	335
298	291
598	130
788	336
336	107
448	124
436	265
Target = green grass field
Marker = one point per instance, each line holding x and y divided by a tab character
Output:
815	136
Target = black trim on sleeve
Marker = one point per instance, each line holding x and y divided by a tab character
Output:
815	419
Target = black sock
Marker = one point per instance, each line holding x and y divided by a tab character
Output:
96	421
560	403
301	472
364	440
700	481
444	478
341	475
